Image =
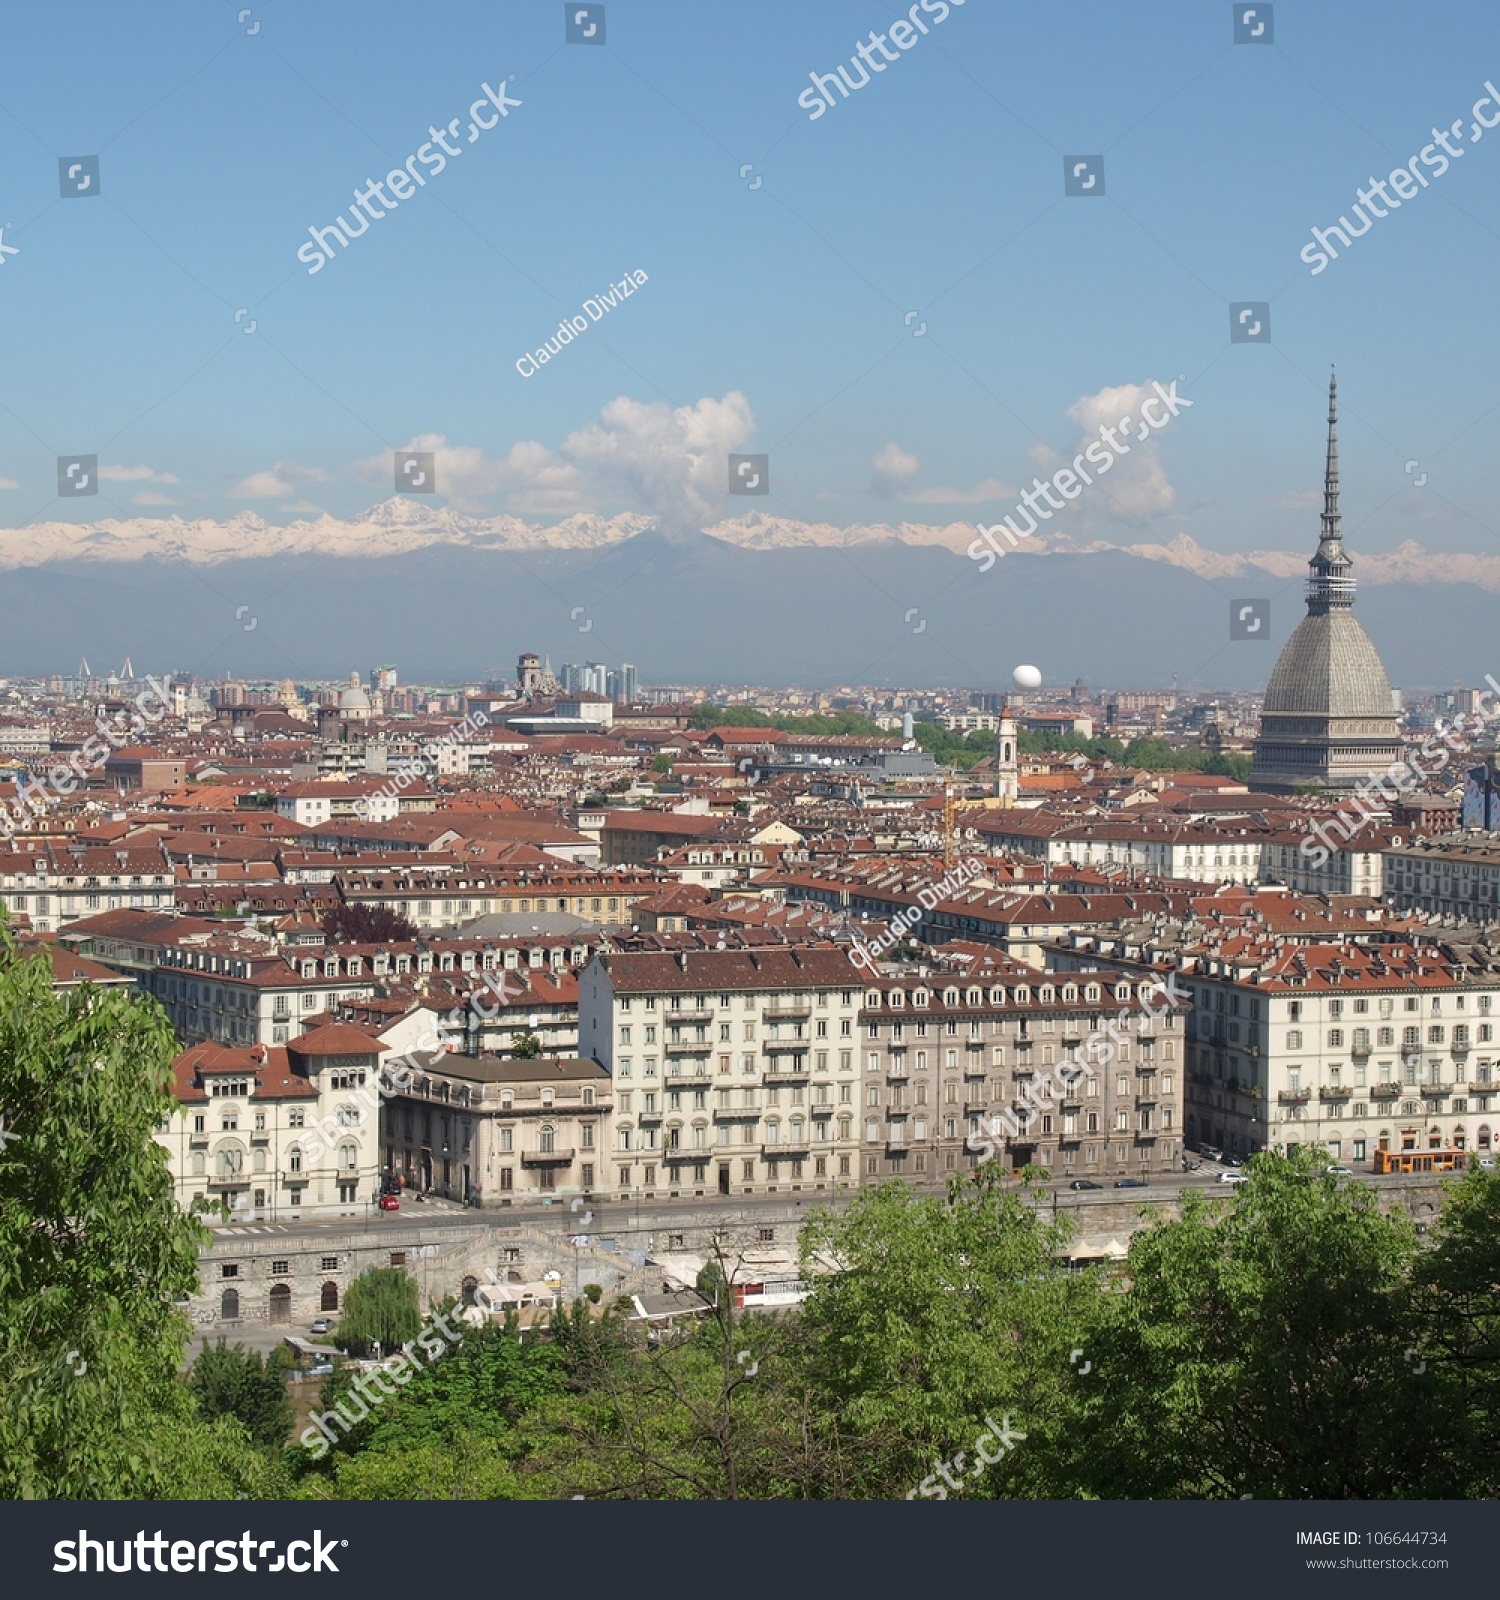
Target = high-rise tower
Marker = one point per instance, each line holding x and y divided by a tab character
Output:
1327	718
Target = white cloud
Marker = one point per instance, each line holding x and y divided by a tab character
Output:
893	469
668	462
117	474
151	497
1296	500
1041	454
276	483
1137	485
671	461
892	472
531	476
9	483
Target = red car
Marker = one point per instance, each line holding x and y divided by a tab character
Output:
389	1202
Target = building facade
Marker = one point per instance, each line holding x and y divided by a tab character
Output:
733	1071
494	1132
277	1133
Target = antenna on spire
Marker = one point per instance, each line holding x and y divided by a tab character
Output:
1331	467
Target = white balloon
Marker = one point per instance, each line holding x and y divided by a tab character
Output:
1027	677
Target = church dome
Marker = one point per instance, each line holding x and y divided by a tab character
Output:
354	700
1329	668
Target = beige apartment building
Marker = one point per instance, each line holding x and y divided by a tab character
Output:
1082	1074
495	1131
733	1071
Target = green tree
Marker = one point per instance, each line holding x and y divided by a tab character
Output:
367	924
663	763
94	1250
381	1310
1257	1351
233	1381
948	1310
1456	1297
525	1046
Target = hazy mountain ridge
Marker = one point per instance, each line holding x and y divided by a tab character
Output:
701	610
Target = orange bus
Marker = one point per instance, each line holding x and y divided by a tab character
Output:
1421	1160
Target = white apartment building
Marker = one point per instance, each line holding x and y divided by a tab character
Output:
53	884
1456	875
1352	866
316	802
734	1071
277	1133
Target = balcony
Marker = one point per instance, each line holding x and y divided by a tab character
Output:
976	1108
735	1113
784	1010
1460	1047
785	1152
1436	1091
1023	1069
694	1078
1294	1097
548	1158
974	1068
1146	1099
896	1069
1386	1091
684	1047
695	1014
651	1117
1335	1092
1484	1086
1359	1051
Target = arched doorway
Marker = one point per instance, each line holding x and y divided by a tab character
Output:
330	1300
281	1303
229	1305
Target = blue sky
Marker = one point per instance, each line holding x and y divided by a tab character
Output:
937	189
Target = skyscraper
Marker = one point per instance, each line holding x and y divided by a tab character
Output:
1327	718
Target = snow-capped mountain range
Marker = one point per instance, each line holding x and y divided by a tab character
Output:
401	526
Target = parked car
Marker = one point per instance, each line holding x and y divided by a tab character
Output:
1343	1172
1233	1177
1234	1161
390	1202
320	1369
1130	1183
1487	1163
1084	1183
322	1325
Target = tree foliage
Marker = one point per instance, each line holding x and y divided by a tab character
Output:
94	1250
229	1380
367	924
381	1309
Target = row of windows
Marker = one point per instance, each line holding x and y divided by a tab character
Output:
749	1065
1385	1038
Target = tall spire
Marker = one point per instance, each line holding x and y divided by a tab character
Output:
1329	584
1331	468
